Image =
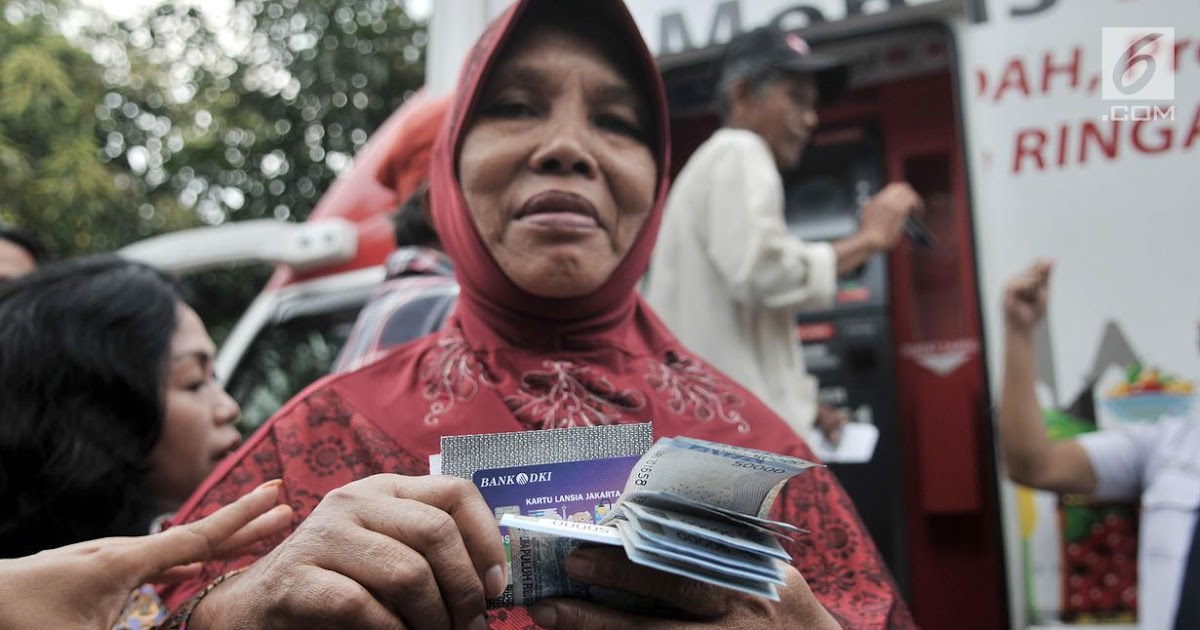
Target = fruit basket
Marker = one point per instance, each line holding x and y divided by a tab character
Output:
1147	395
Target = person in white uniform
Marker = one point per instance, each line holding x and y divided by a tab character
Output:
1158	462
726	276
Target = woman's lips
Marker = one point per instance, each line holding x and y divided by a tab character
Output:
555	209
227	451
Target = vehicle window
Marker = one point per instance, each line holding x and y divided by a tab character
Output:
285	358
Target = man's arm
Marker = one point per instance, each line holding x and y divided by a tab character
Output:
1031	458
880	228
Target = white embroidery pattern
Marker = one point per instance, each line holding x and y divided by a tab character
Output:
569	395
691	387
451	374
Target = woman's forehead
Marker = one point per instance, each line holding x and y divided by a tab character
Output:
539	59
534	49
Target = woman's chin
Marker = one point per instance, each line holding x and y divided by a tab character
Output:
558	287
560	281
560	271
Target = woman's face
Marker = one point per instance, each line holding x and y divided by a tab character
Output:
556	167
198	426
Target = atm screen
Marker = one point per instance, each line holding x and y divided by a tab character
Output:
840	170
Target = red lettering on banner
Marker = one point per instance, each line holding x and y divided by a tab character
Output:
1166	133
1064	134
1030	143
1195	134
1072	69
1014	78
1181	46
1108	145
1064	70
1079	142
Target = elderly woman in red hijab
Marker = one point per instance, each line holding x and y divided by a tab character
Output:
548	184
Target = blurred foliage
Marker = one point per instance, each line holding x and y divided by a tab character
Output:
284	360
53	179
255	117
114	131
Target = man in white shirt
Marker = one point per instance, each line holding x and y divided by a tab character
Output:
726	276
1158	462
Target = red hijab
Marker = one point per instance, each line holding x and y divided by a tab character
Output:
486	289
510	359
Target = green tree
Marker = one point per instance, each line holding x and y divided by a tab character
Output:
53	178
173	119
255	116
263	112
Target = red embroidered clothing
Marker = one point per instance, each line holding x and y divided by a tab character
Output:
511	361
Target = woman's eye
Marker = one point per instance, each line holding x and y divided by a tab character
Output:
509	109
621	125
196	386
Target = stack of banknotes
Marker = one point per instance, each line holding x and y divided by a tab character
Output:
689	507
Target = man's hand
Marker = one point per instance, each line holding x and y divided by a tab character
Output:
1025	297
85	586
883	216
387	552
696	605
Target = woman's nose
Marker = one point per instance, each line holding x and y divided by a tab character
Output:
228	409
564	149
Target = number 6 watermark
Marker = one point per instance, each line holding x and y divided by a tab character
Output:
1138	65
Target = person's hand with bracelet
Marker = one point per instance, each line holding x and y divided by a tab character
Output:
85	586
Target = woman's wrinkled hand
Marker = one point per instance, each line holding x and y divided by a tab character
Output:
699	605
385	552
86	585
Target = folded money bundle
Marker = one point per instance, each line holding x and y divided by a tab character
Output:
692	508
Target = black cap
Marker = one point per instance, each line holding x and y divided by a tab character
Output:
766	48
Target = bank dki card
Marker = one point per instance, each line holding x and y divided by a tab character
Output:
581	492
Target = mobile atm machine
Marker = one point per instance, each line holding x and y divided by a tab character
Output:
995	111
849	348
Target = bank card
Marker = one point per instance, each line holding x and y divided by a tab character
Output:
538	566
578	491
586	532
581	492
683	545
653	560
671	502
631	534
722	531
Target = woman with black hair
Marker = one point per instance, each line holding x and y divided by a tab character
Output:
110	412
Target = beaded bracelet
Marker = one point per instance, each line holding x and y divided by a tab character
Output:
179	620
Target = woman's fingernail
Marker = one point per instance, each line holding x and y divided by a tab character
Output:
274	483
544	615
480	623
494	581
580	566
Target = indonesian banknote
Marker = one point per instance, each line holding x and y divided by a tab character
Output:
688	507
